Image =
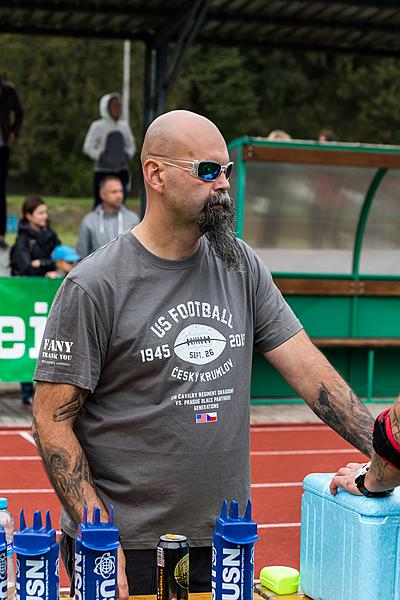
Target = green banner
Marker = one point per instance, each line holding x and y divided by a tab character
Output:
24	305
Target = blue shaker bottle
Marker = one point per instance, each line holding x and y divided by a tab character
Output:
96	549
232	572
37	559
3	565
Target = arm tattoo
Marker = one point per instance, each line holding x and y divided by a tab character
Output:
350	419
70	409
377	469
395	425
67	475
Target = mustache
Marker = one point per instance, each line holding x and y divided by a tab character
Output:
222	199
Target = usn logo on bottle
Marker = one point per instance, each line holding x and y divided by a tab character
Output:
230	575
35	578
105	567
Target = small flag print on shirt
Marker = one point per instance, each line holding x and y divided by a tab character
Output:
206	417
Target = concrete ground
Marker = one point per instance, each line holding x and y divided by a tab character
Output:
13	413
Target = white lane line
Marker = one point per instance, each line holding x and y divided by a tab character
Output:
28	437
294	428
277	485
300	452
277	525
28	491
13	432
255	453
5	458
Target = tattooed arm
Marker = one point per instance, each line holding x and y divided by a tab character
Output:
381	475
307	370
55	408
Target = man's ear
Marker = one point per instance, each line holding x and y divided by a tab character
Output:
152	175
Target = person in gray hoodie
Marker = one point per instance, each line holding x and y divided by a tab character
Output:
107	220
110	143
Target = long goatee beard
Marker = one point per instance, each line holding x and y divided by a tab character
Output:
217	225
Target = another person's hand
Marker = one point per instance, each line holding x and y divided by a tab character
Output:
35	263
123	591
345	478
51	274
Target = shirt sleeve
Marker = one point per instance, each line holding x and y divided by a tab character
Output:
275	322
75	340
92	145
83	246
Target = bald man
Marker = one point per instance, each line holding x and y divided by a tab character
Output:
144	371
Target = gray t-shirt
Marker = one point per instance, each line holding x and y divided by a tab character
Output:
165	348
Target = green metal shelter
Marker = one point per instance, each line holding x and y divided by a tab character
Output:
325	219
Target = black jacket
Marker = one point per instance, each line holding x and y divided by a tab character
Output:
11	113
29	245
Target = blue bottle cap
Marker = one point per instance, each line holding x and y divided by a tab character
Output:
3	503
3	540
235	529
98	535
35	540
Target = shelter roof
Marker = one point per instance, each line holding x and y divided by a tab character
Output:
356	26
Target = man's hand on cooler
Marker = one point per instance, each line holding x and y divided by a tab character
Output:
345	478
123	591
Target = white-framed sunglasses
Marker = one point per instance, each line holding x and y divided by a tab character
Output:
206	170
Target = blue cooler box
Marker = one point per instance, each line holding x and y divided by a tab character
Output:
350	545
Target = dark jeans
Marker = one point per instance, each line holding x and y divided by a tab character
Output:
99	175
141	568
4	161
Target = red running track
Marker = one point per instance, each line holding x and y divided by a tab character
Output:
281	456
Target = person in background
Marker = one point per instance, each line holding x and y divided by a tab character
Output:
31	255
106	221
326	135
65	258
278	135
110	143
11	116
381	475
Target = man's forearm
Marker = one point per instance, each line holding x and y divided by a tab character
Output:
340	408
307	370
63	458
382	475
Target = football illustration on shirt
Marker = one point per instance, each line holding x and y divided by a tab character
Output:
199	344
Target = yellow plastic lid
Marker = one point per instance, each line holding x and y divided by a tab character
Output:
281	580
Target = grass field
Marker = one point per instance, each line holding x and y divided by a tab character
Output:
65	214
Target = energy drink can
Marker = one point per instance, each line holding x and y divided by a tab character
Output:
173	567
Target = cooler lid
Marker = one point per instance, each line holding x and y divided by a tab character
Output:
318	484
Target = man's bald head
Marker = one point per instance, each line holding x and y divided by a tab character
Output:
180	133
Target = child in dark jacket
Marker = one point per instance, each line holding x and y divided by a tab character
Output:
31	255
